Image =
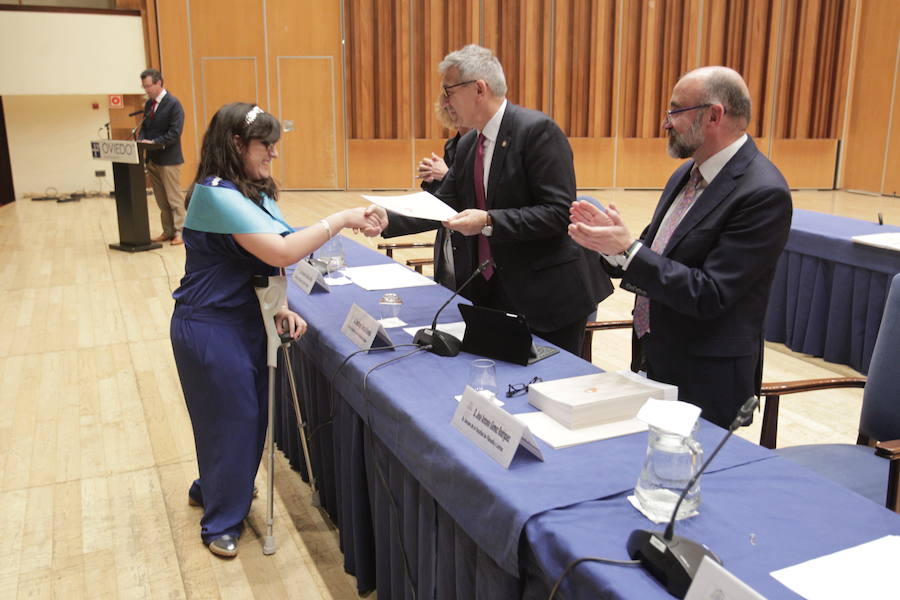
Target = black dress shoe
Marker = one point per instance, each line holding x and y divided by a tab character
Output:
225	545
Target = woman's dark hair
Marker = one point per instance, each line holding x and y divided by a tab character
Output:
220	155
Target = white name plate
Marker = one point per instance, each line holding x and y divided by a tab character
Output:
715	582
492	429
307	276
120	151
364	330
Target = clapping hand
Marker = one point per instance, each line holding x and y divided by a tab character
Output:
595	229
432	169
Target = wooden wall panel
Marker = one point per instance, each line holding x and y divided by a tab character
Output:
439	27
519	33
594	160
813	66
604	69
309	153
806	163
378	69
305	82
892	160
224	80
584	67
642	163
875	70
655	53
176	64
743	35
380	164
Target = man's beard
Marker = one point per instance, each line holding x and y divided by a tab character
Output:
683	145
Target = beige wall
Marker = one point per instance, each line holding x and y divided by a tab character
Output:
59	53
49	142
53	67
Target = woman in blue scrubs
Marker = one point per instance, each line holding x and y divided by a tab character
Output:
232	232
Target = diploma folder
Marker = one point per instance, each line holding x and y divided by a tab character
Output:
501	335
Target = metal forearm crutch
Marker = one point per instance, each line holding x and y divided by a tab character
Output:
301	425
272	294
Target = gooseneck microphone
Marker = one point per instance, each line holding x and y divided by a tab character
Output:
137	112
441	342
671	559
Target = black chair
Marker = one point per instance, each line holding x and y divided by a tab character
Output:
871	467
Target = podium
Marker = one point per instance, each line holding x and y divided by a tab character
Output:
128	157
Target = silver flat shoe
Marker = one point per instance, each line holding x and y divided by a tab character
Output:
225	545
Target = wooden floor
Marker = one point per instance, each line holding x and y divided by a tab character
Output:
96	451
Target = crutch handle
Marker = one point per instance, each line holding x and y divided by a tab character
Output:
286	338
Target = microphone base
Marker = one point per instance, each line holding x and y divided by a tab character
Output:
672	562
442	343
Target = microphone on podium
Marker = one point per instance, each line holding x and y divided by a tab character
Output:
137	112
673	560
441	342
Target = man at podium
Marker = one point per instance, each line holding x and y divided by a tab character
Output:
162	124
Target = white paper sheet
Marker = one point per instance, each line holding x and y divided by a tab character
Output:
392	322
864	571
560	436
457	329
337	278
888	241
497	401
670	415
419	204
386	277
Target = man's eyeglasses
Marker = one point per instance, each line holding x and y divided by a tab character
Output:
667	116
514	389
447	88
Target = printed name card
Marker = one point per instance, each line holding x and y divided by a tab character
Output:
364	330
715	582
306	276
492	429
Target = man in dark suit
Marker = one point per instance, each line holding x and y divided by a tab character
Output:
513	182
703	268
162	124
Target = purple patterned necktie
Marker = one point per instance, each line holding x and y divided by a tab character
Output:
641	312
484	246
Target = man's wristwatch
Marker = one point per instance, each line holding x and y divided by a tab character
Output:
630	250
488	229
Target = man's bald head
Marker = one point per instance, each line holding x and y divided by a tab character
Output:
721	85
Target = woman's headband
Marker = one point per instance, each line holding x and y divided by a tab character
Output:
252	114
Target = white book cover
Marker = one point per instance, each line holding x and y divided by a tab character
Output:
599	398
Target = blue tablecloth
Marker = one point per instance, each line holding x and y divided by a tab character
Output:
389	466
409	405
828	294
757	518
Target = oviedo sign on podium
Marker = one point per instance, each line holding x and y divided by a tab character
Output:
128	157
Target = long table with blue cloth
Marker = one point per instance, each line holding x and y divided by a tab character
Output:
389	467
829	292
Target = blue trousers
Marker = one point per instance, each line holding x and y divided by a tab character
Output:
221	360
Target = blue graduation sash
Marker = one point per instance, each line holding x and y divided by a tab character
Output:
215	208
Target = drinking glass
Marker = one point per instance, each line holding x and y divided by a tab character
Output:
483	376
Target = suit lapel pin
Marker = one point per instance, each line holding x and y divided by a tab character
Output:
503	144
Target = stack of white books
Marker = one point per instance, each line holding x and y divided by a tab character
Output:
597	399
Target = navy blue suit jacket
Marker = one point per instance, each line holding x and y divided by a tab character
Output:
164	127
709	288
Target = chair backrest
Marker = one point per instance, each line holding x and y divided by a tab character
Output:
880	418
